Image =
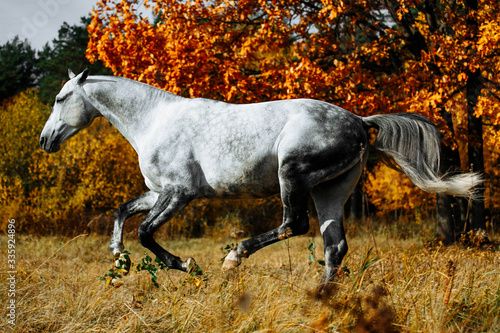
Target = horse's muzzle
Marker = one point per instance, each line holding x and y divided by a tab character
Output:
50	146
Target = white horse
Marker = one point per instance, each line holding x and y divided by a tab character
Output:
200	148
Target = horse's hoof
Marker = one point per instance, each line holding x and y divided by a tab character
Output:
325	289
232	261
116	283
192	267
122	262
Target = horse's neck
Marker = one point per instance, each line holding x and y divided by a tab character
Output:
125	103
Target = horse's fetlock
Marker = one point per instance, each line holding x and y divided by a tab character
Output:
242	251
342	248
287	232
335	253
116	247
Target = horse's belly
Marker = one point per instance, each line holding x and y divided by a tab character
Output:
255	180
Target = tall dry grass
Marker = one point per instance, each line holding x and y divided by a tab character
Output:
393	285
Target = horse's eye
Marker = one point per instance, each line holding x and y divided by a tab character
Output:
61	99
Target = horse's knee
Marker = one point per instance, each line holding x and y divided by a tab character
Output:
116	247
119	212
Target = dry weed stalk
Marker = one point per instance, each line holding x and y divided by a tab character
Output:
451	269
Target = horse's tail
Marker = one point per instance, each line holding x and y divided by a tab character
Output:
410	143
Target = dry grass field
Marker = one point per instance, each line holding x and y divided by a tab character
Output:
393	285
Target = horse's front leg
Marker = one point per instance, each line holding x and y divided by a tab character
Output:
169	202
142	203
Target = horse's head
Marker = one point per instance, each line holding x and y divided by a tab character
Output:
71	112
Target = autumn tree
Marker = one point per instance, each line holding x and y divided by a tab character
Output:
60	192
436	58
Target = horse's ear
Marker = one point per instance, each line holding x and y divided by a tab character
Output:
83	76
70	73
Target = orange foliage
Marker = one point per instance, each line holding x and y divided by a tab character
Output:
366	56
244	52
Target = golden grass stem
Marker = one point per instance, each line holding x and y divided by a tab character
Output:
132	310
59	249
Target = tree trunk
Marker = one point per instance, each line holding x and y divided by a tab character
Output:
447	206
475	151
449	217
445	219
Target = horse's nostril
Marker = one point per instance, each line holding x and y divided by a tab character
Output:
42	141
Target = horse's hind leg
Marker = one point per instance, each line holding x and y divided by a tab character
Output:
294	196
329	199
142	203
168	203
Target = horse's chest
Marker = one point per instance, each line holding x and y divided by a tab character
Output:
164	168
